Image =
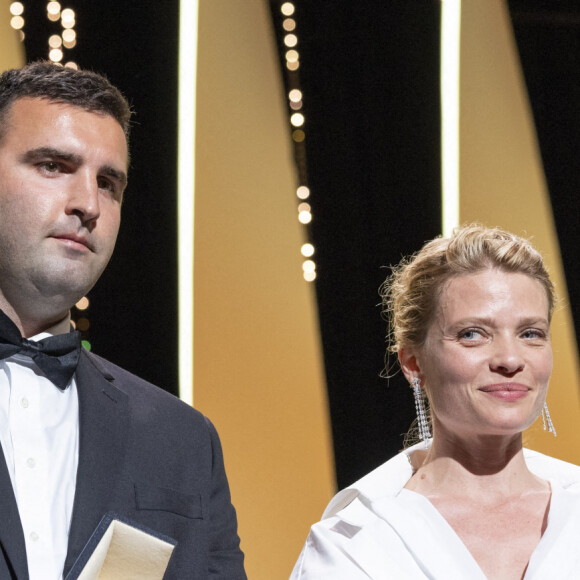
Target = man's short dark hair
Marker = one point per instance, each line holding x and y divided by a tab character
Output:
81	88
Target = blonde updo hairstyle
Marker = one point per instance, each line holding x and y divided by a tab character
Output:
410	295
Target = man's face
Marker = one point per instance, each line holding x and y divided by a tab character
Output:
62	177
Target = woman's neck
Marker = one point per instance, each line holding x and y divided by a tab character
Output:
487	468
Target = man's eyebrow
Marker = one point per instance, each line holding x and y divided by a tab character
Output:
52	153
120	176
41	153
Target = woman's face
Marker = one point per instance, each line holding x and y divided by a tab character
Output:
487	358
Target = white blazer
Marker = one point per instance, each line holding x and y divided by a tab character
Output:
376	529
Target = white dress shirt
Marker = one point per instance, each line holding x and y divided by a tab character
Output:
39	433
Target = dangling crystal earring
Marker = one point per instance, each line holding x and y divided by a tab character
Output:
547	420
424	432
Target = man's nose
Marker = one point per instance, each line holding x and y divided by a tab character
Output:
83	197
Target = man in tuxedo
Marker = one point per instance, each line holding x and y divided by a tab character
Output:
80	436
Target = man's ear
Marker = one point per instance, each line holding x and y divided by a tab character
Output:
409	363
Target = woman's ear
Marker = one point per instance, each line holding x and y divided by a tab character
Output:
409	363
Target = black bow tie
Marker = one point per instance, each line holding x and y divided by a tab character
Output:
56	356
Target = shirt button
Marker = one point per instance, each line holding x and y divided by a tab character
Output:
30	462
33	536
24	403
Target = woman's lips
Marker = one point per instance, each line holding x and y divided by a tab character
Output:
506	391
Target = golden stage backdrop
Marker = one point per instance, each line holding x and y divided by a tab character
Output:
502	183
258	370
11	49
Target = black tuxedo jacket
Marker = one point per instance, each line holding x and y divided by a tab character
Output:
149	457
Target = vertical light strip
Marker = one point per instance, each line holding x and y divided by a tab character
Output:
450	63
188	21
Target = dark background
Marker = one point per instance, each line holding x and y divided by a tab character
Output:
370	77
369	74
133	308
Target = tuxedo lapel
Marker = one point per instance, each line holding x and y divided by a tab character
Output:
103	425
13	548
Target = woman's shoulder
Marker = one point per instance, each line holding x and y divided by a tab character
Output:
389	478
546	467
386	480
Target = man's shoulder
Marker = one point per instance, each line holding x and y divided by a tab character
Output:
139	391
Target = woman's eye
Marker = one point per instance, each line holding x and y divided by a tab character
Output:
533	333
471	334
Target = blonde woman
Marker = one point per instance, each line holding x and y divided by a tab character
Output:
470	323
